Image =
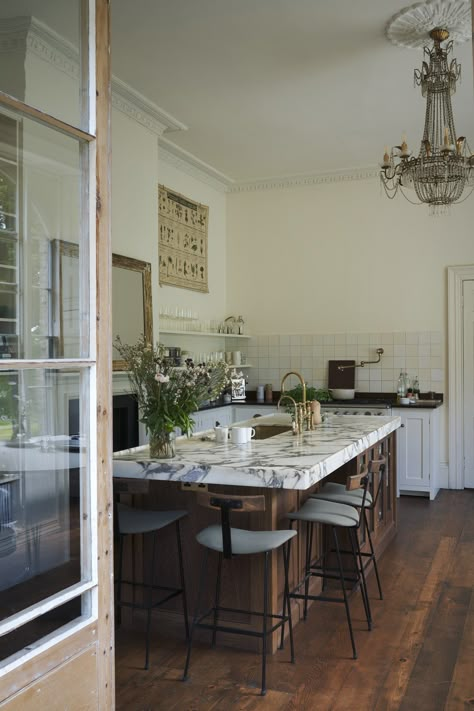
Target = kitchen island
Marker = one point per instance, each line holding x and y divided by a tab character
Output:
284	468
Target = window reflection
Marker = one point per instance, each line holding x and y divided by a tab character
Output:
42	465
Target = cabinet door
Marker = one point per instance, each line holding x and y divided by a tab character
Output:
414	451
246	412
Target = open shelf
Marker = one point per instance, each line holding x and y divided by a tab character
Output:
201	333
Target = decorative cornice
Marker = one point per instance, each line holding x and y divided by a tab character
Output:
296	181
140	109
411	26
179	158
27	34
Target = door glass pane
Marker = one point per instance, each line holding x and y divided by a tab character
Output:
43	490
42	203
41	62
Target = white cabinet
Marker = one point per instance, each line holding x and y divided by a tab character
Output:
206	419
246	412
418	451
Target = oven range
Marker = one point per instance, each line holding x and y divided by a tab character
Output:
357	407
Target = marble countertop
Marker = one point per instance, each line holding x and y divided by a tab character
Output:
284	461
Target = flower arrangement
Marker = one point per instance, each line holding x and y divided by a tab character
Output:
166	394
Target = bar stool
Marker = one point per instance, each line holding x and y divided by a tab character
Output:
362	500
133	521
336	517
230	542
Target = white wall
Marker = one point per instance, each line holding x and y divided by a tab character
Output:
134	195
341	257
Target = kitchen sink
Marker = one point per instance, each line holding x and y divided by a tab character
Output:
266	431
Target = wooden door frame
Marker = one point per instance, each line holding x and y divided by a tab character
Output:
457	275
105	621
19	683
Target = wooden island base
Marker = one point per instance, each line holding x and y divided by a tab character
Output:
242	583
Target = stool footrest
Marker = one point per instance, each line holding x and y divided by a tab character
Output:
236	630
323	598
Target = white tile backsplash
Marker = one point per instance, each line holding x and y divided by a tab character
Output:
417	353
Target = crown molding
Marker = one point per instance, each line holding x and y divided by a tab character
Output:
145	112
173	155
27	34
295	181
22	34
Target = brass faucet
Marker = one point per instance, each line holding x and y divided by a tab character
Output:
294	421
303	410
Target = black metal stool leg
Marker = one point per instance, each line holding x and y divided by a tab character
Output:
264	627
346	602
364	581
149	611
118	599
217	599
286	550
309	542
372	555
183	582
196	612
359	567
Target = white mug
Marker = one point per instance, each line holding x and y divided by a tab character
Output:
222	434
241	435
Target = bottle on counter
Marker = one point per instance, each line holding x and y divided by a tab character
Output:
268	393
416	388
260	393
401	386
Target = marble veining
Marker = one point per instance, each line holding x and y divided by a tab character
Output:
284	461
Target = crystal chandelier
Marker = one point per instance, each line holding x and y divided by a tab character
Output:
444	166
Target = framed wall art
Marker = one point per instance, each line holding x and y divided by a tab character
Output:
182	241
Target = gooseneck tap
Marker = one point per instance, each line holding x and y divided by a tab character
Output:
304	414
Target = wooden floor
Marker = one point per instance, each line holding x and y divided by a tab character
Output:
418	657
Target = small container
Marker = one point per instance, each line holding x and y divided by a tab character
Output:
260	393
268	393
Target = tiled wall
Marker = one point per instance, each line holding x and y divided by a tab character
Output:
419	354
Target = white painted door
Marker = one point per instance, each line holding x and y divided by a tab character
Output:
468	357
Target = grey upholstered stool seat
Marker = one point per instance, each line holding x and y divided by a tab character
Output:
229	543
244	542
339	494
132	520
326	512
362	499
334	516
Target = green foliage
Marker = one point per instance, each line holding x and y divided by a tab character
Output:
168	395
311	394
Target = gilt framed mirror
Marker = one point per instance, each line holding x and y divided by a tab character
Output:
132	312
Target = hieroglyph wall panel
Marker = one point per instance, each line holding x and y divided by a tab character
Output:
182	241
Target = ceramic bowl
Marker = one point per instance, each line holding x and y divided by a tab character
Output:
342	394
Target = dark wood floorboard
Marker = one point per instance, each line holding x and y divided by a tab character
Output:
418	657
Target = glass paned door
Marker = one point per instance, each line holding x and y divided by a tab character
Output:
48	492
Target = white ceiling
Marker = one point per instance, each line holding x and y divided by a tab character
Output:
279	87
271	88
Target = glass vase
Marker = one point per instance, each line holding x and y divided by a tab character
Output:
162	445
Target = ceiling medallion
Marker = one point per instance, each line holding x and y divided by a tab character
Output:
411	26
444	166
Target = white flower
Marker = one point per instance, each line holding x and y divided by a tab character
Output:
160	378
